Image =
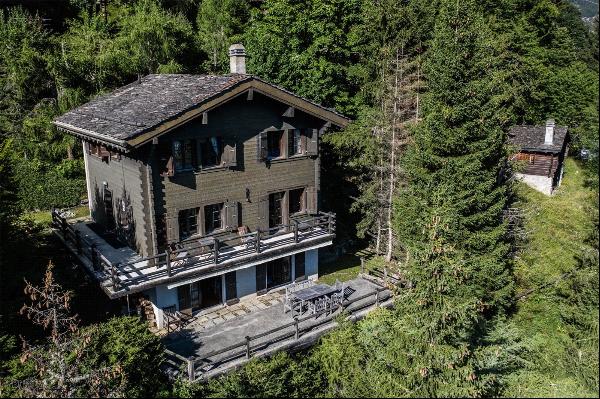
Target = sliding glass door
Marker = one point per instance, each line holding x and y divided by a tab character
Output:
200	294
273	274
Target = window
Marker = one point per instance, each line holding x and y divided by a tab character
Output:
99	151
213	217
276	209
211	151
274	144
295	142
184	154
531	159
296	201
188	223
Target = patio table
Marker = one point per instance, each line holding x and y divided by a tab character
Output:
311	293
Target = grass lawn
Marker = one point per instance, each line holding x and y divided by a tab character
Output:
557	228
44	218
347	266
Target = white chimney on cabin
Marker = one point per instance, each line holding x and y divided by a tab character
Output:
549	138
237	58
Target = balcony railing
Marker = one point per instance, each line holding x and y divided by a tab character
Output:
207	253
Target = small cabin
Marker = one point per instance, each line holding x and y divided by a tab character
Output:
541	151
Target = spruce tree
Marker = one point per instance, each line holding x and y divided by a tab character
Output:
455	165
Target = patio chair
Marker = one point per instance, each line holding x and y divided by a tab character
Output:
184	318
248	241
180	259
321	305
336	300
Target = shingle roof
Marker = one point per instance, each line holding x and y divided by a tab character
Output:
131	109
135	108
531	138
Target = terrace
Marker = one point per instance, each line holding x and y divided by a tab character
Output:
121	271
218	341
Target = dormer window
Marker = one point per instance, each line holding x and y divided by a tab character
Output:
211	152
275	144
184	154
295	142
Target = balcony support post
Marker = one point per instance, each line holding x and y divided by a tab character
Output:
216	251
168	253
258	241
296	231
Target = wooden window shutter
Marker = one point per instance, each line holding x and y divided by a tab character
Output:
230	155
201	221
311	200
261	279
231	215
304	140
172	229
230	287
283	144
312	143
262	150
170	171
263	212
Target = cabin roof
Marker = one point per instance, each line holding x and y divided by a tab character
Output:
531	138
157	103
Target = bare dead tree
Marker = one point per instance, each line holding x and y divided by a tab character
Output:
399	105
59	365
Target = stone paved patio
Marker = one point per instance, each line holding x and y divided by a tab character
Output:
211	319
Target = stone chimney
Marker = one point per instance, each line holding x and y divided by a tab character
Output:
237	58
549	138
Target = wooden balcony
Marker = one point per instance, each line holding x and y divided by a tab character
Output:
123	271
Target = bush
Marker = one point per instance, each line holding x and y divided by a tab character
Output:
126	341
41	187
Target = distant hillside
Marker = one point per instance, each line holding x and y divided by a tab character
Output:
589	8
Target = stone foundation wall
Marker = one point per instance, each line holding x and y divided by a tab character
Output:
542	184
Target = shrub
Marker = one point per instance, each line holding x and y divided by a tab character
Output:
126	341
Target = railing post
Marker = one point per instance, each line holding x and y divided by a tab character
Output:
168	252
377	298
257	241
190	369
296	231
94	256
330	226
362	265
78	241
297	329
216	251
247	347
63	228
113	273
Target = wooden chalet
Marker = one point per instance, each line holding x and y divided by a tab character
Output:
202	189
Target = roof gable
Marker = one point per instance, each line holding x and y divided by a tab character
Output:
134	114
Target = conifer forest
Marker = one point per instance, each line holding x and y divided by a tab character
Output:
495	284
